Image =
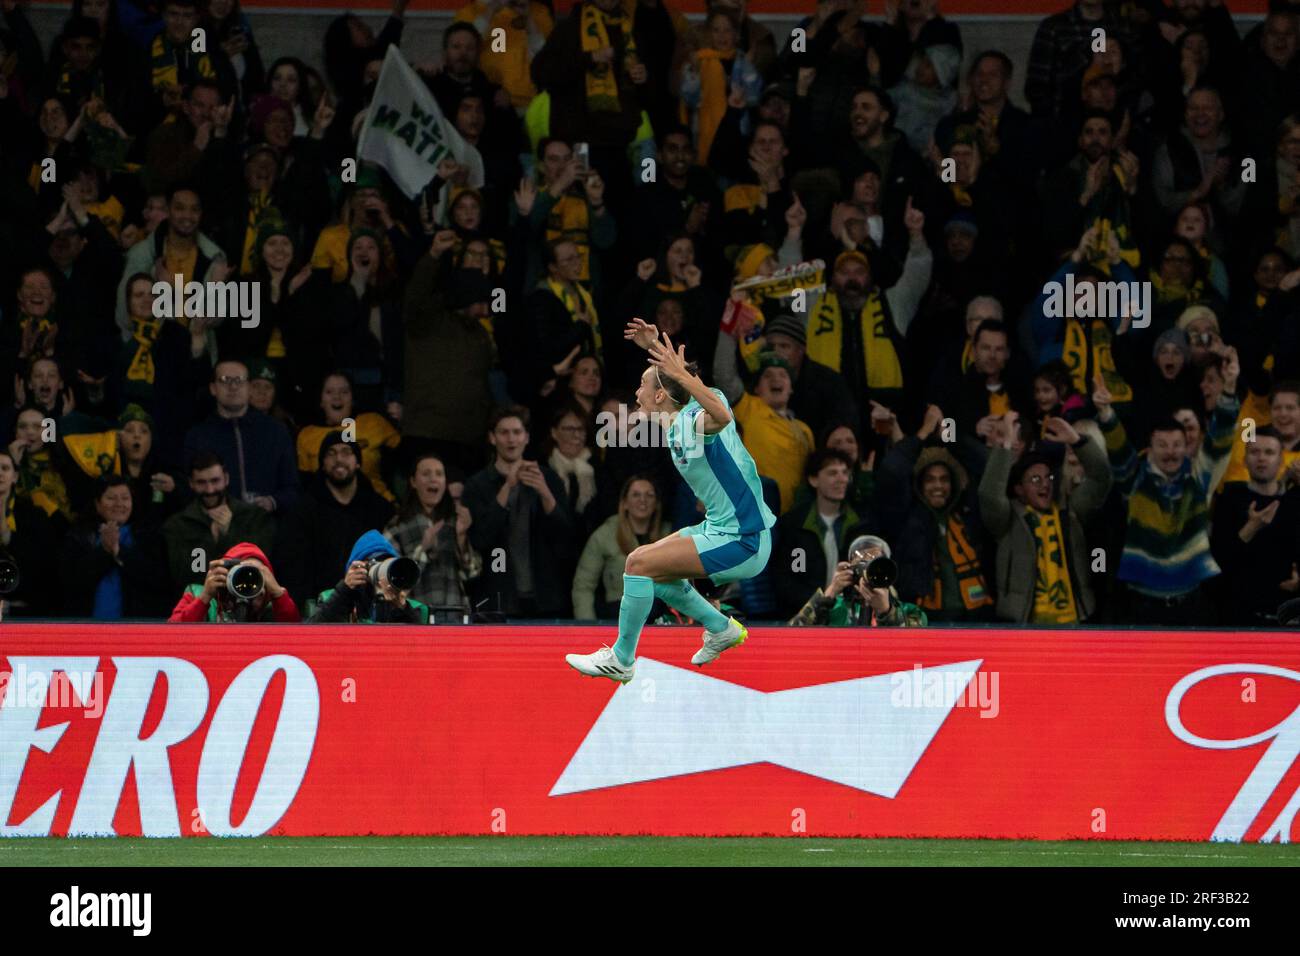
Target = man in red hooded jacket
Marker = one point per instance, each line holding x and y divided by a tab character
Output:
211	601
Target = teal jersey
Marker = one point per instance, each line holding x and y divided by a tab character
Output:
721	472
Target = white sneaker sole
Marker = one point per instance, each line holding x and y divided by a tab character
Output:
744	633
621	678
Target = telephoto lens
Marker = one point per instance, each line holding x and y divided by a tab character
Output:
401	574
882	572
245	581
8	576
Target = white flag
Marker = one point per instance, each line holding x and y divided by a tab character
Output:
407	134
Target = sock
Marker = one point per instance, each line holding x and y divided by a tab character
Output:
683	596
638	598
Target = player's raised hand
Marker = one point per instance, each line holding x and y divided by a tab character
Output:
642	333
669	360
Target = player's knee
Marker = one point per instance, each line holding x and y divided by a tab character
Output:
637	562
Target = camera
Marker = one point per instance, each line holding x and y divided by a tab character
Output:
9	576
879	572
401	574
245	581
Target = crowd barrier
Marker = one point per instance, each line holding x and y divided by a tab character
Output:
194	730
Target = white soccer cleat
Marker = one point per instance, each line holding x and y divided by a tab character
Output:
715	644
603	663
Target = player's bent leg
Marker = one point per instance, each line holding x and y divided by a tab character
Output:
619	662
673	558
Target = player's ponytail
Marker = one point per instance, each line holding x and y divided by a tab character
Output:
677	392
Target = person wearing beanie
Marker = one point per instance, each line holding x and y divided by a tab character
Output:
820	394
857	328
1171	382
377	440
339	504
362	204
263	393
755	261
446	403
356	600
924	500
128	451
927	93
849	600
213	602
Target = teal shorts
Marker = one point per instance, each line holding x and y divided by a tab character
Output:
730	557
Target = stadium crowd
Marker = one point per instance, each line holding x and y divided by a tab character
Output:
446	378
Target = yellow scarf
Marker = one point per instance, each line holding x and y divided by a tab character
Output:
966	565
569	219
573	303
331	251
602	78
258	204
42	485
744	196
1053	593
967	356
180	263
1074	352
163	69
1175	291
95	453
880	358
109	214
9	511
713	101
145	332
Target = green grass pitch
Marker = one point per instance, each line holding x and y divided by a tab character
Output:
631	851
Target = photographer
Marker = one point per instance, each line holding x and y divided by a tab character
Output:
246	597
374	588
862	592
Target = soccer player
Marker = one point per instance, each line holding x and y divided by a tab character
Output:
734	541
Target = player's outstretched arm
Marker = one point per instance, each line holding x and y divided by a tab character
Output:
672	362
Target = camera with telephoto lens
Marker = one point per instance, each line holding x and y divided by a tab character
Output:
878	572
401	574
8	576
244	581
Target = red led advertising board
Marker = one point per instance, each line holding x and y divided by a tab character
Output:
195	730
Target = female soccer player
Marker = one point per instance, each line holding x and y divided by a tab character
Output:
734	541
